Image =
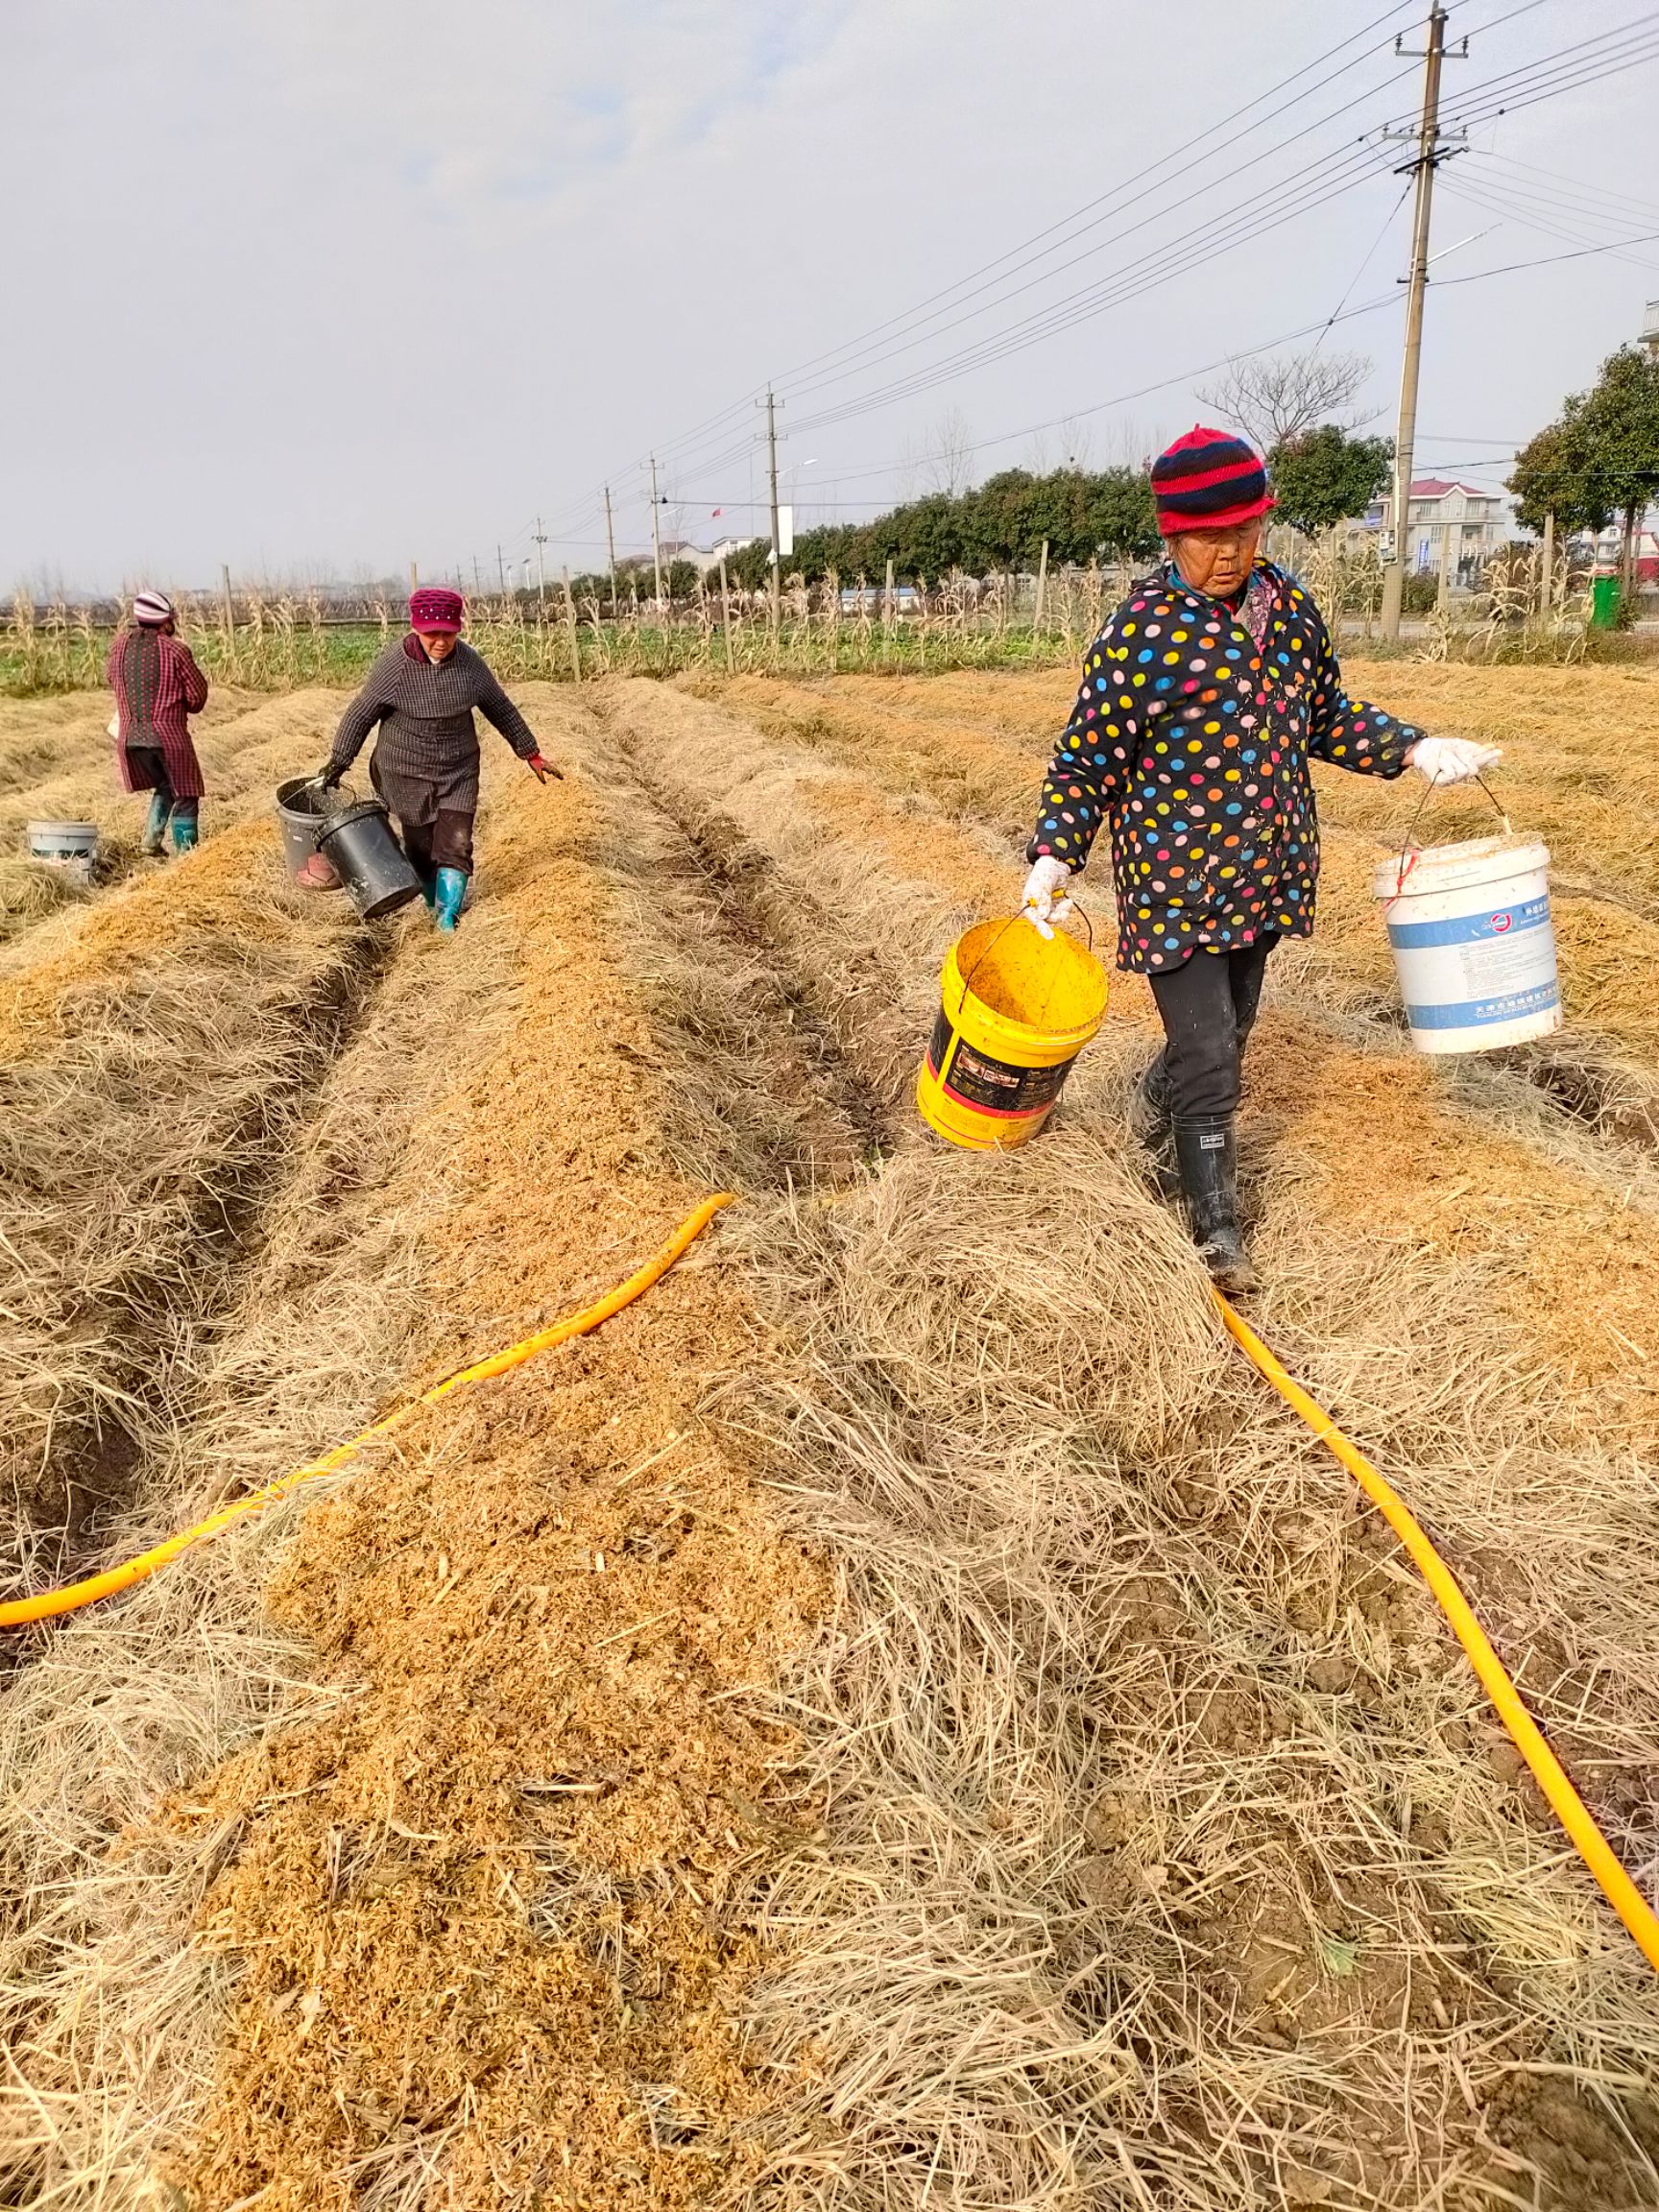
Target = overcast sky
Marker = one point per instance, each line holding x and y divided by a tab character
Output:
341	284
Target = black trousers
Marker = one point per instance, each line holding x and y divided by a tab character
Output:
1208	1006
435	835
150	760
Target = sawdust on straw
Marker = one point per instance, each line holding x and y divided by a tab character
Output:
485	1737
1172	1856
1129	1832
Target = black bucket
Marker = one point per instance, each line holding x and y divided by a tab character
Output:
362	848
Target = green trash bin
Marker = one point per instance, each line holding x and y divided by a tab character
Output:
1603	602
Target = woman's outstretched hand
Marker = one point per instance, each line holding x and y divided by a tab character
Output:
1452	760
541	769
1039	905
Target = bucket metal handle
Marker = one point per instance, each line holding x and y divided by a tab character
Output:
967	980
1403	865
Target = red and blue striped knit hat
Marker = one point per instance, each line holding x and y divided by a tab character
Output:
1207	480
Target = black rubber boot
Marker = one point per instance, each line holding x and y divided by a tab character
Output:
1206	1152
1152	1108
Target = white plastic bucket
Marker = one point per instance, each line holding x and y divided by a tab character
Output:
1474	946
65	845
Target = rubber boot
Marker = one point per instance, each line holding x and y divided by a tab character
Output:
429	890
1152	1107
1206	1152
156	828
450	890
184	833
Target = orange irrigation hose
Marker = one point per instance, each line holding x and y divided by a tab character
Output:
1569	1809
48	1604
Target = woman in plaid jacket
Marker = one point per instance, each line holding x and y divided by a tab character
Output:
157	687
422	692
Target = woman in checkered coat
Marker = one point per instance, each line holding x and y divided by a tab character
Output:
422	692
157	687
1202	701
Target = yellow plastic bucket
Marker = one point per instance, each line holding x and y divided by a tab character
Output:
1015	1009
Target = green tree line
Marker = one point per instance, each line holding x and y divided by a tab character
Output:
1000	524
1598	461
1321	477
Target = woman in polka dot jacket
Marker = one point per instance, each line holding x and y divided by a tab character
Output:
1202	701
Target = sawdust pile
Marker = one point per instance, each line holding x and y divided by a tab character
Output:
899	1716
485	1914
516	1672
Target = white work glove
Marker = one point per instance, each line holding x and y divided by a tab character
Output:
1040	907
1452	760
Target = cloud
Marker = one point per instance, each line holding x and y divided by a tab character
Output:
381	281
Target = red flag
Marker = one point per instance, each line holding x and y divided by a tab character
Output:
717	511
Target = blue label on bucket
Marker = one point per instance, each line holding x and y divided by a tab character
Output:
1471	928
1480	1012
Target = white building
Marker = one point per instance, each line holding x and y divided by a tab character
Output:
1447	516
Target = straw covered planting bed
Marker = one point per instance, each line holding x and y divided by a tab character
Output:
901	1717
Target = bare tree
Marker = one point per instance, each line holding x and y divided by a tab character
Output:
1278	397
1077	444
942	460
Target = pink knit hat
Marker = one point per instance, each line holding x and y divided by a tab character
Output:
433	608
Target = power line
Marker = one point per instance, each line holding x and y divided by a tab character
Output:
1543	262
1571	187
1146	190
1270	211
1553	74
1205	369
1570	192
1523	85
1509	90
1489	204
1273	94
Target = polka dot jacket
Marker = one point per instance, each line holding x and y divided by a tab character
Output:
1192	737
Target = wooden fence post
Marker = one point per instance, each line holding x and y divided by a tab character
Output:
887	609
571	624
726	617
1041	588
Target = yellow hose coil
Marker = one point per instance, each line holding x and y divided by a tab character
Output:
1569	1809
47	1604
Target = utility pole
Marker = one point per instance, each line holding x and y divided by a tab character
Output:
501	568
413	579
1430	153
541	575
477	580
776	538
611	543
655	537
